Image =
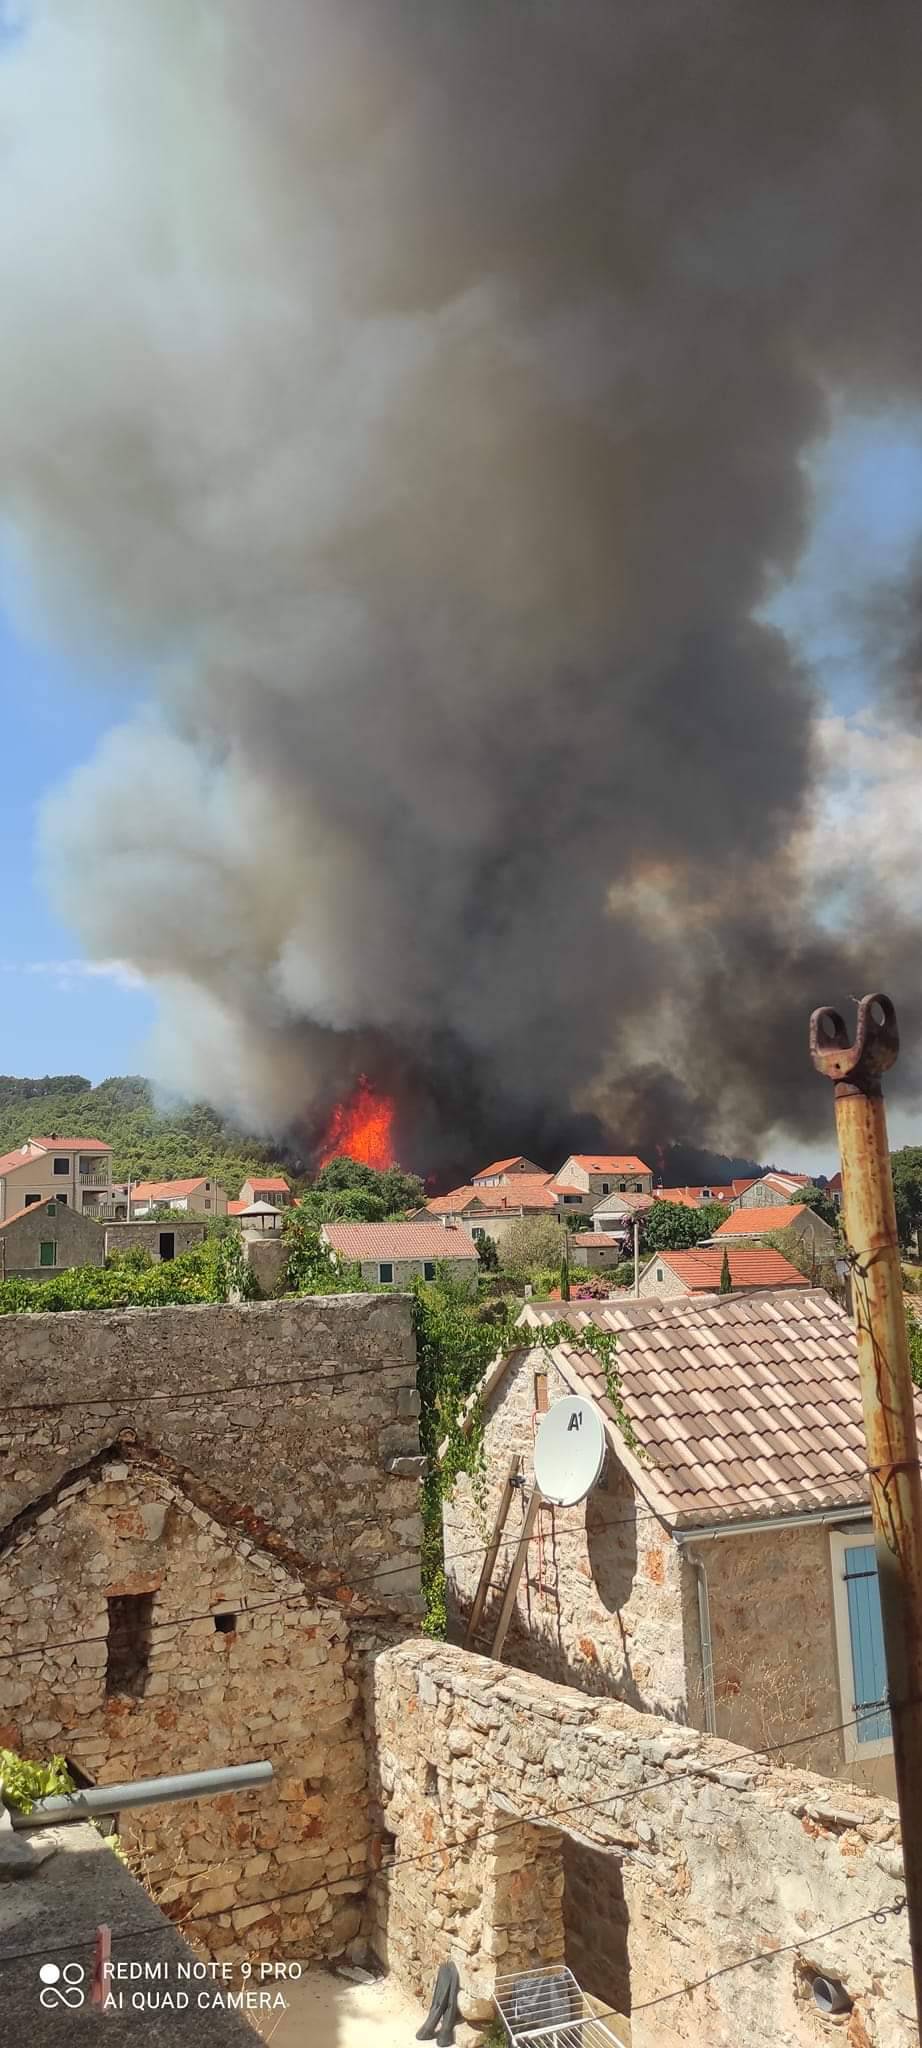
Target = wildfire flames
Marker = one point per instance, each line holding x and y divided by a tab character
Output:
361	1128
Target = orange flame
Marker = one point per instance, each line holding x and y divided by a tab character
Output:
361	1128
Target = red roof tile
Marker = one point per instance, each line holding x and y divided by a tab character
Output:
399	1241
743	1406
161	1190
607	1162
237	1208
602	1237
276	1185
10	1160
755	1221
503	1165
759	1266
72	1144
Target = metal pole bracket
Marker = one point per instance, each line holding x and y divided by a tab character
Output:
877	1042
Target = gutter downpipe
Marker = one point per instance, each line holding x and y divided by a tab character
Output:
707	1652
820	1518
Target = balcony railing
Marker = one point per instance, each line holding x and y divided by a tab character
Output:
94	1179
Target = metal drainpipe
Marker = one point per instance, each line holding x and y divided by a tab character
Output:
886	1392
104	1799
707	1650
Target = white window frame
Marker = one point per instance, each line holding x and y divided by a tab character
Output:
841	1540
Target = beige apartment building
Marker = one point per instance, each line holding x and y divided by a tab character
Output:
77	1172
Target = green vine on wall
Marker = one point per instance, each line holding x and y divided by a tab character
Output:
603	1344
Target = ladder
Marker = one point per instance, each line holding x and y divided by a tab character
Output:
514	1482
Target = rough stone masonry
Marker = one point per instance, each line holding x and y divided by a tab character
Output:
302	1412
715	1854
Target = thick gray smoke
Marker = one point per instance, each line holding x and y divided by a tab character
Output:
419	395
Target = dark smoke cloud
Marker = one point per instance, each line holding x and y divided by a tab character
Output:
421	395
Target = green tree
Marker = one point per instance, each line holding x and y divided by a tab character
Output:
714	1214
670	1227
398	1191
487	1254
822	1204
906	1168
532	1244
310	1267
565	1271
726	1283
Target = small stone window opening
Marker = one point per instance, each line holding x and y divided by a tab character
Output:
225	1624
128	1655
541	1402
432	1781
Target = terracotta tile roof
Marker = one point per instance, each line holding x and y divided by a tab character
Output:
399	1241
10	1160
755	1221
276	1185
677	1195
756	1266
718	1191
786	1183
743	1407
628	1203
72	1144
237	1208
457	1199
35	1208
739	1186
596	1237
162	1190
525	1191
607	1162
503	1165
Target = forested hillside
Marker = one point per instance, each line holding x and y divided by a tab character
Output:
186	1139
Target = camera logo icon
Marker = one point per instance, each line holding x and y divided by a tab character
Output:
62	1986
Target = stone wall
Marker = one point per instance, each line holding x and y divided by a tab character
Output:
719	1857
666	1288
604	1601
110	1570
121	1236
774	1649
304	1412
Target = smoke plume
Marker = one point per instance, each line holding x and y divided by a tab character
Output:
416	400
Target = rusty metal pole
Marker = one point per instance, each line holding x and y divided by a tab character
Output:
887	1394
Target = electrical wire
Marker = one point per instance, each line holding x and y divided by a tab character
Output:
551	1819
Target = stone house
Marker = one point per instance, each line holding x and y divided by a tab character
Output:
605	1173
491	1211
722	1571
201	1196
46	1238
111	1565
597	1249
810	1230
772	1190
396	1254
273	1188
503	1170
162	1240
77	1172
667	1275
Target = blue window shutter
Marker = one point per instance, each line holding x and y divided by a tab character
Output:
866	1632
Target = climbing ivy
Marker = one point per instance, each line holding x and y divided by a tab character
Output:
457	1339
603	1344
22	1783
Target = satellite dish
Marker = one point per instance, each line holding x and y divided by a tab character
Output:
569	1451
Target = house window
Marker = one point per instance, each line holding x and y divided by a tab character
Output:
48	1252
606	1187
61	1166
860	1644
573	1198
128	1650
208	1201
622	1187
27	1204
62	1199
385	1273
428	1269
659	1274
167	1244
477	1232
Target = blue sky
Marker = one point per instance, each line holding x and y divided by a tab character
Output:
61	1014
